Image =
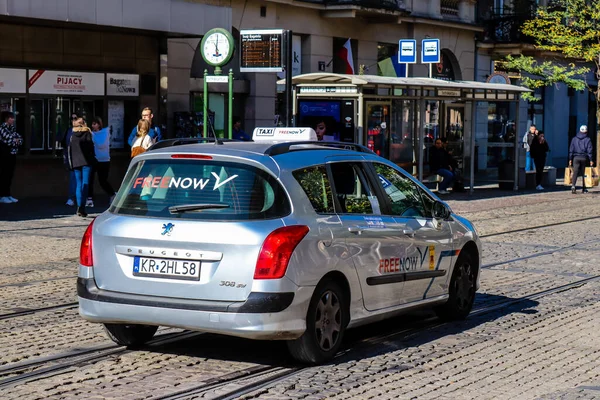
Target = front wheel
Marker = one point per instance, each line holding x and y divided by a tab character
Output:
130	335
326	322
461	291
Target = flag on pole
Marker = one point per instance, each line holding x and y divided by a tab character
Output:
391	67
345	54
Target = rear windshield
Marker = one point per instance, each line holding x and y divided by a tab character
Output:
237	191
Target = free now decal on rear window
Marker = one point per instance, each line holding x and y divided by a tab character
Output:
174	182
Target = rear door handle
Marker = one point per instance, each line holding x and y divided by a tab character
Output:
408	232
355	229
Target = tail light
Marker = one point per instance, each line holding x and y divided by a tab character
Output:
86	257
277	250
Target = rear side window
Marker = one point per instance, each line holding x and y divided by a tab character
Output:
218	190
316	185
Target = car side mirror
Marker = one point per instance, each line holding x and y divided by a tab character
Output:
441	210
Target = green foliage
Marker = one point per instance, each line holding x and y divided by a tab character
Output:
569	28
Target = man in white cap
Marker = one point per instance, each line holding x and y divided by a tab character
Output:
580	156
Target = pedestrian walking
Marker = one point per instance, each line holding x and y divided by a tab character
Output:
10	141
101	139
143	140
66	139
580	155
527	139
81	160
539	149
154	131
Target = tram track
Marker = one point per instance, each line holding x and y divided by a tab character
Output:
278	374
550	225
253	379
28	283
26	371
247	380
37	310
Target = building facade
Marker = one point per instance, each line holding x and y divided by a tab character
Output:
94	57
559	111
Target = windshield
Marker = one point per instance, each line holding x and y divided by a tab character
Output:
240	191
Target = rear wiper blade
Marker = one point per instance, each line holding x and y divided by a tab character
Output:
196	207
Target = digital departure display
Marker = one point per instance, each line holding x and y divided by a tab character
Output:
262	50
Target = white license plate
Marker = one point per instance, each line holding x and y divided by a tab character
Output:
166	268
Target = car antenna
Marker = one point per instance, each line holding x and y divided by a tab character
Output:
212	128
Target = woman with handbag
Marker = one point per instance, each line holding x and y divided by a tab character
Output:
143	141
82	158
580	155
538	149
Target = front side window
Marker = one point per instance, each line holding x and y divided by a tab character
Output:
316	185
402	193
200	189
352	189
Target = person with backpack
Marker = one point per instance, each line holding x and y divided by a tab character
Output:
143	139
580	155
154	131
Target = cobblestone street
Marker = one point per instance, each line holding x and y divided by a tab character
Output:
533	333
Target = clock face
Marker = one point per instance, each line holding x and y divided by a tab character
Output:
216	49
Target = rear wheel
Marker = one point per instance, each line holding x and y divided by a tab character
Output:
461	290
130	335
326	322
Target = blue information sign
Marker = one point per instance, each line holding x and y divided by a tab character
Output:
407	53
430	51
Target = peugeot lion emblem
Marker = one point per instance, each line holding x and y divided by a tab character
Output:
167	229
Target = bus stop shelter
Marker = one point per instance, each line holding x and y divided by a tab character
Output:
365	108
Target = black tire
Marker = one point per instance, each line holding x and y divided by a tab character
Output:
461	290
326	322
130	335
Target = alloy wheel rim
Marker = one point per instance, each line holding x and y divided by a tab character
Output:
328	320
465	284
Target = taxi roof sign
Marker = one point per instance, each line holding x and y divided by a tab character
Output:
290	134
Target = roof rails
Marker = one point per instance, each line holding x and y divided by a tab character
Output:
182	141
285	147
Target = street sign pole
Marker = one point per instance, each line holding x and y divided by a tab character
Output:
407	53
430	53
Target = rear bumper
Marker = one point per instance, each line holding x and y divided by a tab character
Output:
261	316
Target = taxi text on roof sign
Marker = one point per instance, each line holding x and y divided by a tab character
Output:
284	134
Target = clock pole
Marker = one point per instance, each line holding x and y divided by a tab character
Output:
230	81
205	106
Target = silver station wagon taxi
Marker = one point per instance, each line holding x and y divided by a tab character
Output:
282	238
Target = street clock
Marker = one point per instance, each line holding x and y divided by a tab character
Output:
217	47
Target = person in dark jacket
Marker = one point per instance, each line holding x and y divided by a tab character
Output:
65	145
440	162
538	148
81	160
10	141
580	155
